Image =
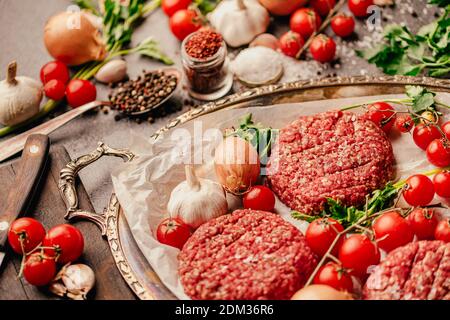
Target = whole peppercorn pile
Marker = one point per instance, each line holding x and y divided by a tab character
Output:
203	44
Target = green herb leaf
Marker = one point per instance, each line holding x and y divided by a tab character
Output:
150	48
440	3
87	5
206	6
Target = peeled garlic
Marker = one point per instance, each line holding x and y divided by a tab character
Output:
196	200
74	281
112	71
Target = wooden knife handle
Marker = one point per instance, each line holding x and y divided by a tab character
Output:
32	163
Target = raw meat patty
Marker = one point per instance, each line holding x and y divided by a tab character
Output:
419	270
333	154
245	255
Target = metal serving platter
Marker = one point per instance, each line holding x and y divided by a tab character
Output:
132	264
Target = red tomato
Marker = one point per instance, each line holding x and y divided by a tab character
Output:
67	243
79	92
54	70
28	231
404	123
441	183
358	253
55	89
424	134
305	21
419	190
290	43
446	129
392	231
423	222
323	7
442	231
39	269
183	23
333	275
382	114
259	198
173	232
359	7
438	153
171	6
322	48
343	25
321	234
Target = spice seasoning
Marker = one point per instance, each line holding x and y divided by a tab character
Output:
203	44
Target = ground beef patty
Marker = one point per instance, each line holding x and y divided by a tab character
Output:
419	270
333	154
245	255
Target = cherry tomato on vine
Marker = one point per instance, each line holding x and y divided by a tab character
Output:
323	7
358	253
173	232
322	48
441	183
39	269
438	153
28	231
359	7
321	233
423	221
184	22
259	198
79	92
424	134
334	275
392	231
404	123
419	190
290	43
446	129
55	89
67	243
54	70
171	6
382	114
343	25
442	231
305	21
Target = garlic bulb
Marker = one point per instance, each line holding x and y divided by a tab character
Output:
19	97
74	281
239	21
112	71
196	200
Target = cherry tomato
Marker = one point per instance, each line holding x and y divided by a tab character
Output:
305	21
322	48
438	153
404	123
359	7
39	269
28	231
392	231
323	7
55	89
259	198
442	231
54	70
171	6
183	23
424	134
419	190
343	25
321	234
173	232
334	275
423	221
67	243
446	129
382	114
358	253
441	183
79	92
290	43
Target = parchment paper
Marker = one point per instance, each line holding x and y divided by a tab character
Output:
143	186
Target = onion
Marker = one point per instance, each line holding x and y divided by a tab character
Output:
320	292
266	40
282	7
72	38
237	164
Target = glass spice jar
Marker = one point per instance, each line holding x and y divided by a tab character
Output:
206	66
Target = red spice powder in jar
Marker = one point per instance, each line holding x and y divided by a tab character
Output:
203	44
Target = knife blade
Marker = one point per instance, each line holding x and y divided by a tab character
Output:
31	166
12	146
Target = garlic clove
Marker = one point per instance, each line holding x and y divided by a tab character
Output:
73	281
113	71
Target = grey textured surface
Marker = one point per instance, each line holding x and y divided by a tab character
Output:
21	31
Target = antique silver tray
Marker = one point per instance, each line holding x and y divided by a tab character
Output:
131	263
